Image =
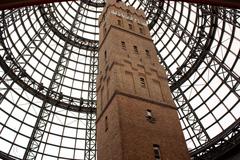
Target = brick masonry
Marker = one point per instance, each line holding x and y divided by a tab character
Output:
130	81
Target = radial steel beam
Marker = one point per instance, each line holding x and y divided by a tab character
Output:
5	156
9	4
32	86
219	145
224	3
202	43
90	135
44	114
38	94
60	30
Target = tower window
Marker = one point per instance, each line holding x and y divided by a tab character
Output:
135	49
142	82
149	113
105	55
141	30
149	116
123	45
156	150
147	53
130	26
119	22
106	123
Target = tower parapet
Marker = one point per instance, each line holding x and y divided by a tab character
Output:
116	14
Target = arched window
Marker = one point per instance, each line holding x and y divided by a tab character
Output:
147	53
135	49
142	82
123	45
119	22
130	26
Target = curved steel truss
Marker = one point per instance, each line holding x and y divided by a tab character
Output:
49	63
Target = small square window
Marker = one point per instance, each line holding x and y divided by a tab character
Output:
148	113
149	116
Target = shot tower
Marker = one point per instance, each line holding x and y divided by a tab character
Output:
136	116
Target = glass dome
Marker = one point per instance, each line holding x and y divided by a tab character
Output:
49	64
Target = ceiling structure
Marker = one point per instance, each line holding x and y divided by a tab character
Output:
49	64
10	4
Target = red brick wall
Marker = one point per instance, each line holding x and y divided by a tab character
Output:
123	99
130	136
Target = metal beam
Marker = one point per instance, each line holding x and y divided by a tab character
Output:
40	95
63	33
5	156
224	3
10	4
220	144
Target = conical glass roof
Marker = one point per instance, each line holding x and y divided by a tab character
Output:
49	64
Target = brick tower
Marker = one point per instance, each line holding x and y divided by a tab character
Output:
136	116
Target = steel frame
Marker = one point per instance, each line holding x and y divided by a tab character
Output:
199	41
16	4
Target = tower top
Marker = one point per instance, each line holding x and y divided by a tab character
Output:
113	1
121	6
